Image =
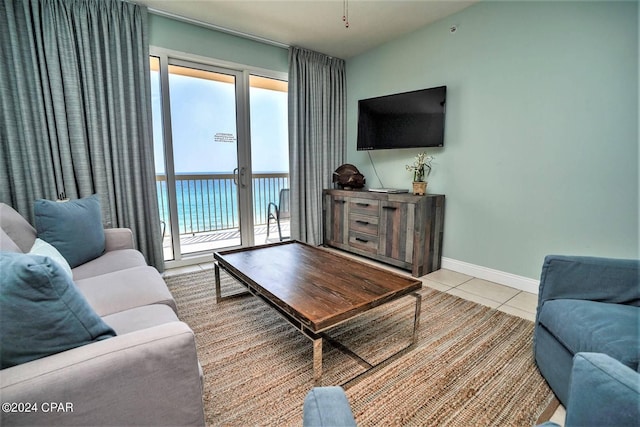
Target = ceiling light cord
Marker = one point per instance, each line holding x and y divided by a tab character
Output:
345	13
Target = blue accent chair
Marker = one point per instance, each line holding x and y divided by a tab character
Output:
586	304
327	407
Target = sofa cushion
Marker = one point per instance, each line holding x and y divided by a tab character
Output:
74	227
59	318
108	263
597	327
139	318
40	247
17	228
125	289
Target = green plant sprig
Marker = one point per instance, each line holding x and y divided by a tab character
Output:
421	167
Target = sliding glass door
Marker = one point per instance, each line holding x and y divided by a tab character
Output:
269	155
208	194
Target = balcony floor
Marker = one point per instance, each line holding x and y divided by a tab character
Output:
216	240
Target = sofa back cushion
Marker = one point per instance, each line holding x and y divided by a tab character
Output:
74	228
16	228
609	280
41	310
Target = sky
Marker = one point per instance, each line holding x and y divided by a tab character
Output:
204	126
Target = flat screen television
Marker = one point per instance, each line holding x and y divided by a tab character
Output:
404	120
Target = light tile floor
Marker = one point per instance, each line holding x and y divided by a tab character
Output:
500	297
504	298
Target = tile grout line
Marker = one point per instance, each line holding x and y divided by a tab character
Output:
505	303
490	299
519	308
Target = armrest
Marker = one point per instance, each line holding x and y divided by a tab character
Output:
118	238
326	407
146	377
588	278
602	392
275	208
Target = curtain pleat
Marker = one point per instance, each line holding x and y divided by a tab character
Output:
317	136
76	115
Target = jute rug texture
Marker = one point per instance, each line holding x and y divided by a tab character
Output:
472	365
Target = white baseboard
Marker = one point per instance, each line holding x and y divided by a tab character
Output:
518	282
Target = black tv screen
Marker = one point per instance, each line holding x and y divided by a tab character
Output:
404	120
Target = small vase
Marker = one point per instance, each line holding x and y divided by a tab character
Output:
419	188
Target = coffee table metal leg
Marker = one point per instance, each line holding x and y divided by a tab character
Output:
317	362
218	296
368	366
416	318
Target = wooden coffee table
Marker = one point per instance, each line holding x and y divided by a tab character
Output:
315	289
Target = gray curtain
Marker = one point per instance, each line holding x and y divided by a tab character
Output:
317	136
75	111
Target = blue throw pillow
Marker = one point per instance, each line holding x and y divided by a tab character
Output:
74	228
42	312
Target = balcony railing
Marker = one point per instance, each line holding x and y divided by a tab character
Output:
209	202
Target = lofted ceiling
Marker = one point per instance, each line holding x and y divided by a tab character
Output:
313	24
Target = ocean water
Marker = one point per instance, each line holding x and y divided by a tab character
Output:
211	204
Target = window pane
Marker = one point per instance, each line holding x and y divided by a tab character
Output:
269	149
158	150
203	122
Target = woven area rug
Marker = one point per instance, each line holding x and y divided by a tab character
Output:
472	365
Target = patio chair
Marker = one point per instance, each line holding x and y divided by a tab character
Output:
279	212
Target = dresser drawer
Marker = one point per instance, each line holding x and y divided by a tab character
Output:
364	242
364	206
363	224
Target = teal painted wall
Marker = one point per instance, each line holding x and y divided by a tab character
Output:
541	139
184	37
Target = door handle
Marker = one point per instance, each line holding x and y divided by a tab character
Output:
235	176
243	172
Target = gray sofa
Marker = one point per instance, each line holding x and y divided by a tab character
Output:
148	374
586	304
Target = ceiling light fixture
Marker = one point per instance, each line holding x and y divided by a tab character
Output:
345	13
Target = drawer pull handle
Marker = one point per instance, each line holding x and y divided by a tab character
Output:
340	201
362	222
362	240
363	204
391	208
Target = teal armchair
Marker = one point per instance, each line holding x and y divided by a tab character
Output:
586	304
